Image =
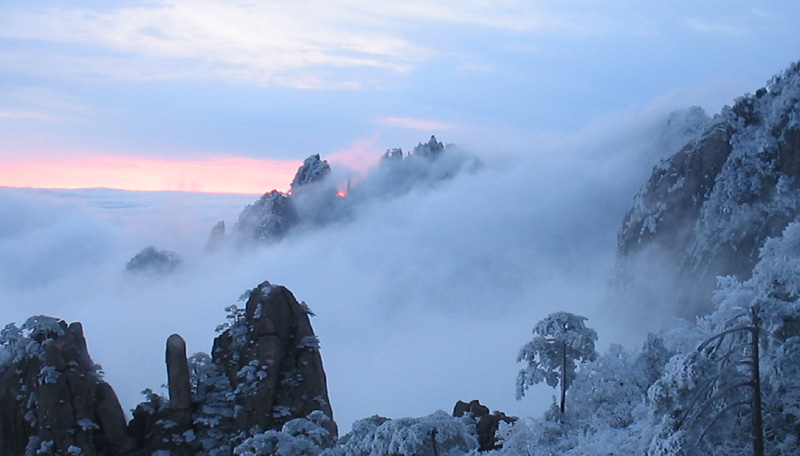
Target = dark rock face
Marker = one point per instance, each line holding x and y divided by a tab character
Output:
266	220
486	424
180	392
52	396
271	357
430	150
314	200
151	259
707	210
266	371
313	170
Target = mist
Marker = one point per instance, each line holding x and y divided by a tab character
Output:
421	300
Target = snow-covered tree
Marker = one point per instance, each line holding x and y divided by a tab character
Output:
560	341
213	407
438	434
298	437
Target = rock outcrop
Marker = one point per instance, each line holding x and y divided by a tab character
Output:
313	170
430	150
216	237
178	382
271	357
314	199
53	399
392	154
486	424
707	210
153	260
266	220
266	371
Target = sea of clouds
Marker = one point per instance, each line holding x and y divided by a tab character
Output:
420	300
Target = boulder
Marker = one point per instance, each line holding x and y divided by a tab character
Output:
486	424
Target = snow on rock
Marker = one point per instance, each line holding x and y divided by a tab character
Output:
431	149
313	170
314	200
153	260
266	220
53	399
275	371
707	210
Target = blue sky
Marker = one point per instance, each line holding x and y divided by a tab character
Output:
193	80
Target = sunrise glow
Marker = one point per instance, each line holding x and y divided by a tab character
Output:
217	175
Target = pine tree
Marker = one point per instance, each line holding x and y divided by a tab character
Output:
560	341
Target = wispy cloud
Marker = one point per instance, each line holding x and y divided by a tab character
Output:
277	42
358	157
717	27
416	124
26	115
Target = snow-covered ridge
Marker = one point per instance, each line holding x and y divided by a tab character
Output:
707	210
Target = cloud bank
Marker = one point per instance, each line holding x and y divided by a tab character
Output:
421	300
147	174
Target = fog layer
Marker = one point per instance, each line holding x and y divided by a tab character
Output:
421	300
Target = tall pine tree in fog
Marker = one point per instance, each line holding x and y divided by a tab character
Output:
560	341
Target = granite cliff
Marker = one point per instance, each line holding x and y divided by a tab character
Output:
707	210
265	371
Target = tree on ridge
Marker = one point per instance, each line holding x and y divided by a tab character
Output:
560	340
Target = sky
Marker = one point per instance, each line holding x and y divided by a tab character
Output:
196	92
421	300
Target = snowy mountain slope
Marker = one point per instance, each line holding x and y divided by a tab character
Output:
707	210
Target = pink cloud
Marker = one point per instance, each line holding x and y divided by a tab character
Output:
217	175
359	156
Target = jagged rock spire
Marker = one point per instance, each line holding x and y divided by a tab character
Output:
271	357
314	169
180	390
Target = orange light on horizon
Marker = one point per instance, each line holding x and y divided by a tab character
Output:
217	175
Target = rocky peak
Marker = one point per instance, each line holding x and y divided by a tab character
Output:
430	150
265	374
153	260
216	237
707	210
681	127
392	155
271	356
313	201
266	220
314	169
53	399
